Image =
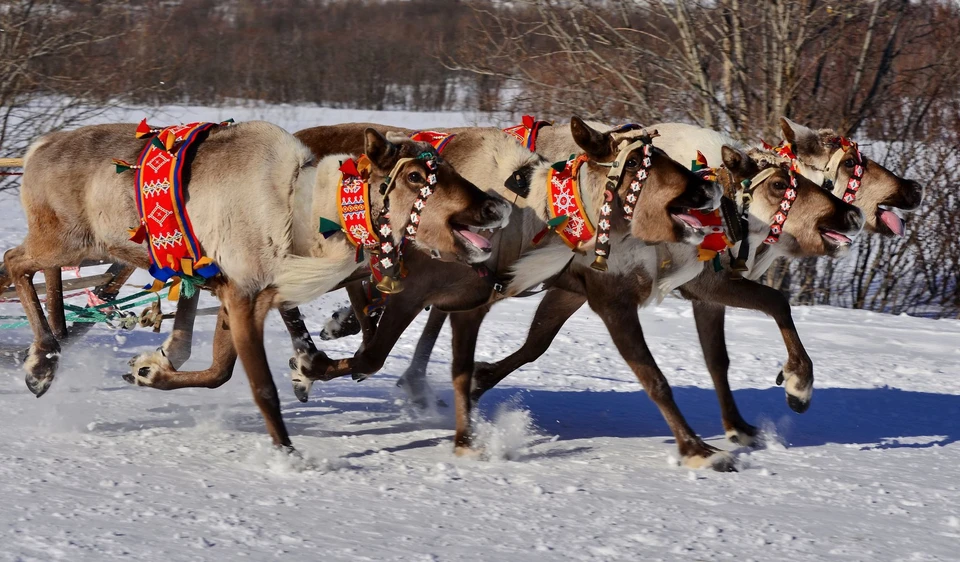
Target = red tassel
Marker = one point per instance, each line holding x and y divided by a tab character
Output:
528	121
139	235
349	168
143	129
540	235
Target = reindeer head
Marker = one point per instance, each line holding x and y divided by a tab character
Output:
882	195
817	223
413	172
669	190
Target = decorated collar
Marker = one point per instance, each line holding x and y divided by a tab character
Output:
527	131
436	139
353	197
568	217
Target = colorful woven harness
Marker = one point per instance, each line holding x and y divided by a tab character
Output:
567	214
527	131
436	139
175	252
716	224
353	202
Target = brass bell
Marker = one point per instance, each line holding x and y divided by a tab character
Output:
600	263
389	286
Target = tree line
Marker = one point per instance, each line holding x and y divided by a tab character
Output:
881	71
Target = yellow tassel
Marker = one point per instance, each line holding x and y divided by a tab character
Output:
174	294
157	285
202	262
186	265
704	254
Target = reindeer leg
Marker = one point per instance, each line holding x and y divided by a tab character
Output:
397	315
709	319
358	302
55	316
155	371
178	346
556	307
465	327
304	351
797	372
413	381
623	323
247	317
43	357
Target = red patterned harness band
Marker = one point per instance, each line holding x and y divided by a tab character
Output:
527	131
575	226
164	224
436	139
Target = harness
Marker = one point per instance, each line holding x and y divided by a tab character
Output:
848	193
527	131
175	252
353	202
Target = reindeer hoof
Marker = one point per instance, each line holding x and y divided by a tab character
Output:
418	391
797	405
359	377
38	386
467	452
745	436
41	367
780	378
342	323
707	456
799	392
301	386
147	369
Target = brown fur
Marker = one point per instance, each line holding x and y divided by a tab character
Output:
68	180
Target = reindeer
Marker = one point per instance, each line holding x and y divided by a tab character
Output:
256	194
670	190
882	196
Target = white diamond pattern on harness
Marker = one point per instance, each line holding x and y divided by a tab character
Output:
158	161
159	215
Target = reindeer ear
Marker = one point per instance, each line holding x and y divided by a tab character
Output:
592	141
381	152
805	141
733	159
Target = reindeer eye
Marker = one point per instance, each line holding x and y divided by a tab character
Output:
632	163
779	186
415	177
849	163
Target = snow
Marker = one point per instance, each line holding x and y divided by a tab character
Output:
579	464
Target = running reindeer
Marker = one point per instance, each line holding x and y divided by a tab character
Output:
254	195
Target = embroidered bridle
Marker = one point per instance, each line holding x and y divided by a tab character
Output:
390	260
849	192
745	198
629	204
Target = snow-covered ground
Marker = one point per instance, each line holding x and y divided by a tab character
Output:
581	465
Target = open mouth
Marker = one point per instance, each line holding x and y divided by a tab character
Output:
472	237
835	238
892	218
685	218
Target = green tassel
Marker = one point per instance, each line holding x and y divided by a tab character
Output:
328	228
559	166
157	143
717	264
557	221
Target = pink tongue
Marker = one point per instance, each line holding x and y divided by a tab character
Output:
892	221
475	239
690	219
837	236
